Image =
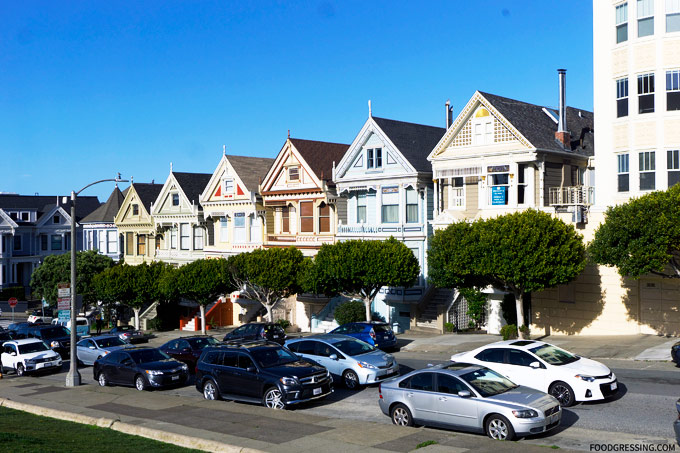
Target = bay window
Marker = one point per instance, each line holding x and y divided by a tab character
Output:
184	236
198	238
411	206
390	205
361	208
306	216
324	218
239	227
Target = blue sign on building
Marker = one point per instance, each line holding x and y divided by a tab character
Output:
499	195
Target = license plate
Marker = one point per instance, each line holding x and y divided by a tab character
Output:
175	378
613	386
317	391
276	336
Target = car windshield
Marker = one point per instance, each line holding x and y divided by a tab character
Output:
124	329
109	342
148	355
554	355
353	347
268	357
29	348
382	328
487	382
273	329
54	332
201	343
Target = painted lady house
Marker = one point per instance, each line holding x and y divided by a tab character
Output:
135	224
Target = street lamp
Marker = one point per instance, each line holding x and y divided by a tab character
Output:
73	376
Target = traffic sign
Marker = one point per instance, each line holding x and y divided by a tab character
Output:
64	315
12	302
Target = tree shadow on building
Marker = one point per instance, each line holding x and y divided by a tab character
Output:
653	302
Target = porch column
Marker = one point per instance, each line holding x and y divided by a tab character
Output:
436	197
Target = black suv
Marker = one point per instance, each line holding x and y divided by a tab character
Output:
258	331
260	372
56	337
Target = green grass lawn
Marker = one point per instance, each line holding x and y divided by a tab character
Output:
24	432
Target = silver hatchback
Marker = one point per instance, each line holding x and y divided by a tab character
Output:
470	398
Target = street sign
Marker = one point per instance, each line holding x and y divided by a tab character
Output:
64	303
12	302
63	290
64	315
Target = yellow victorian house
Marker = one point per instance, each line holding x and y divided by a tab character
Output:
135	223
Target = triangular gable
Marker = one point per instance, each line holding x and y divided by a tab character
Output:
6	220
460	132
49	215
215	191
163	203
276	179
125	214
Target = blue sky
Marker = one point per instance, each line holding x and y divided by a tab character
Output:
91	88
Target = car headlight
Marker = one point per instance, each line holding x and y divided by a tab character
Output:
585	377
106	352
527	413
185	366
30	360
366	365
54	344
154	372
288	381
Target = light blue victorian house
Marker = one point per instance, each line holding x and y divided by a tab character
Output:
387	180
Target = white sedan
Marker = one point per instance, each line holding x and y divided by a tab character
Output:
29	355
545	367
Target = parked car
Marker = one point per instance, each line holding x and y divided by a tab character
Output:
470	398
676	424
141	367
188	349
56	337
5	335
22	326
82	324
130	334
352	361
28	356
260	372
38	314
545	367
375	333
258	331
88	350
675	353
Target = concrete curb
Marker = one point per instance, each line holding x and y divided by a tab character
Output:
126	428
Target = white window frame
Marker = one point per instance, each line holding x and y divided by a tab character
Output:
457	193
647	165
672	16
645	12
101	241
296	173
414	192
672	86
393	205
224	229
198	238
622	93
228	186
112	241
482	130
362	203
174	199
673	165
491	185
184	236
621	21
240	225
646	87
173	238
623	169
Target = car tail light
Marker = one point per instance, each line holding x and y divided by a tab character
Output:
380	391
372	333
263	334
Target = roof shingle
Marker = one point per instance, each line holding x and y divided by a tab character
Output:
414	141
320	156
251	169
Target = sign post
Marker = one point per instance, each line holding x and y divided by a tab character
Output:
12	303
64	301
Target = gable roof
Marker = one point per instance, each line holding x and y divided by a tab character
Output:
414	141
537	127
107	211
147	193
320	156
250	169
44	203
192	184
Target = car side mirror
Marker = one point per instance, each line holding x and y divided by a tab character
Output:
251	369
464	394
535	365
333	357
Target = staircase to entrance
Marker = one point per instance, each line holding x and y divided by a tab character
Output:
433	305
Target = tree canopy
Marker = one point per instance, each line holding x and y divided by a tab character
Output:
521	252
641	236
358	269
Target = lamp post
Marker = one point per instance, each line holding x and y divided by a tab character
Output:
73	376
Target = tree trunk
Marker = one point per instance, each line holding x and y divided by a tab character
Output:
519	306
202	308
136	310
269	312
367	303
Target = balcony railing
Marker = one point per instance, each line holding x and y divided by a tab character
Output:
571	196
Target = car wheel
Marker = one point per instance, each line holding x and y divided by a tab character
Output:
401	416
273	399
499	428
140	383
350	379
20	370
101	379
563	392
210	391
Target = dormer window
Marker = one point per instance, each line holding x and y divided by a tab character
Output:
175	199
56	219
228	186
293	173
24	216
135	209
374	158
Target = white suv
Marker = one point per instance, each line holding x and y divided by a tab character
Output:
29	355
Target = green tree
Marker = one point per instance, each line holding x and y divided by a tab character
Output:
641	236
56	269
521	252
268	275
357	269
203	281
476	302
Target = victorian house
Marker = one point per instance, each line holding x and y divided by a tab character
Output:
180	228
233	207
386	180
135	224
99	231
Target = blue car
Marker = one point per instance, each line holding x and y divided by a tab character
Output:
377	334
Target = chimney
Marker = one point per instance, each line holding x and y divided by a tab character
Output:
562	135
449	113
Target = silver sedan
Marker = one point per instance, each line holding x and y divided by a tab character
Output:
469	398
92	348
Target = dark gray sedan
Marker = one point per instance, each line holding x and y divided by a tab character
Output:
470	398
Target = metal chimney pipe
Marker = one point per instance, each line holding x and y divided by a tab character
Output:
447	105
562	121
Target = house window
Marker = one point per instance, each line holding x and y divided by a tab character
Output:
378	158
482	129
175	199
307	216
17	242
622	97
88	240
457	193
285	219
645	93
43	242
361	208
173	238
184	236
324	218
673	90
101	241
390	205
141	244
645	16
411	206
622	23
24	216
228	186
198	238
623	173
240	227
129	245
159	239
500	184
56	219
224	229
374	158
56	242
647	168
112	240
673	165
13	215
522	183
135	209
672	15
293	174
